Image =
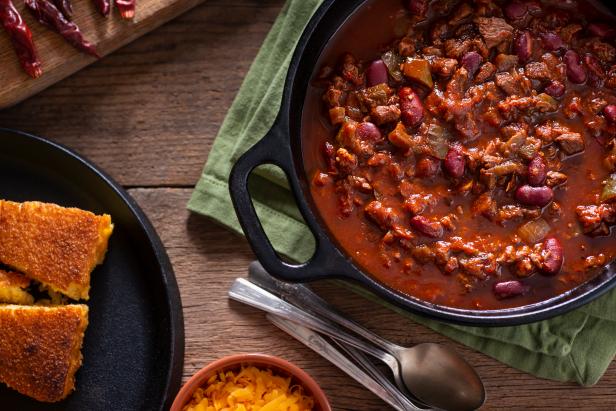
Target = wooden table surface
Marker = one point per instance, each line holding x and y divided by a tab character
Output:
148	115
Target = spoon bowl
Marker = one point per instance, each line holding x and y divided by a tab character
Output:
440	377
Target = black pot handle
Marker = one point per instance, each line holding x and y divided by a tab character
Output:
275	149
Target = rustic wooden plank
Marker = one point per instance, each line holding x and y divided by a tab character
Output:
60	60
148	113
207	258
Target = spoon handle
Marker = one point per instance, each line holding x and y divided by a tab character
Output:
318	344
378	375
246	292
301	295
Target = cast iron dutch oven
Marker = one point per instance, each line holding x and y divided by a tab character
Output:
282	146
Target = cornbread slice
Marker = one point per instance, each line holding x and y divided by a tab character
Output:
57	246
12	288
40	349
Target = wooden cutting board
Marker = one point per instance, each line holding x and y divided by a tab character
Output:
59	59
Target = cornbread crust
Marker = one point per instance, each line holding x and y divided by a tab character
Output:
12	288
40	349
56	246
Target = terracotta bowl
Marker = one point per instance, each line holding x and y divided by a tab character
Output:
278	365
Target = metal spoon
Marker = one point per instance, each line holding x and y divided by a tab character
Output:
380	387
433	373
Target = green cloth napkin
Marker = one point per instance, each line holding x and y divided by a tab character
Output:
574	347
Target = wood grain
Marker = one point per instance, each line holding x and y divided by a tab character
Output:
148	114
60	60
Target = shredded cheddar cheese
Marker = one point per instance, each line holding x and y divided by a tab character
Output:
251	389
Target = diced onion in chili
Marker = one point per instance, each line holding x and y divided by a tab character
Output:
534	231
393	61
438	140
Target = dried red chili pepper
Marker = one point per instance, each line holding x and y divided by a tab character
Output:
65	6
21	37
103	6
126	8
47	14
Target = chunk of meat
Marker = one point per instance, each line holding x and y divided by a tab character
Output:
549	130
592	217
513	106
350	70
377	95
486	71
456	48
604	51
334	97
571	143
480	266
442	66
385	114
406	47
485	205
513	84
555	178
505	62
384	217
347	162
494	30
346	194
427	166
432	229
418	203
537	71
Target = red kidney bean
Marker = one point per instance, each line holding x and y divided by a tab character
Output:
555	89
534	196
376	73
601	30
515	10
367	131
427	166
506	289
471	62
575	71
418	7
610	113
537	171
432	229
454	162
523	46
553	256
411	108
551	41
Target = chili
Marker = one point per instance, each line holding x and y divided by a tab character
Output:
21	37
103	6
65	6
47	14
458	163
126	8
